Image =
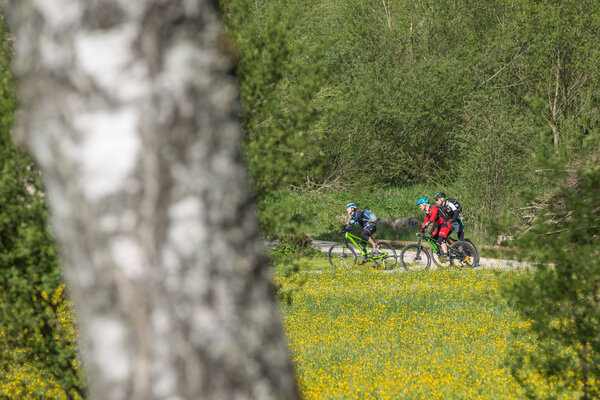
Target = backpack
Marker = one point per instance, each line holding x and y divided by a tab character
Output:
370	217
455	204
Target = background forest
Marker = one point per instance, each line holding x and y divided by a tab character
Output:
368	98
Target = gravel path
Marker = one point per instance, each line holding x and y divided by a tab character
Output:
484	263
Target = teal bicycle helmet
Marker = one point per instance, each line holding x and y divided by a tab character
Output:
351	205
423	200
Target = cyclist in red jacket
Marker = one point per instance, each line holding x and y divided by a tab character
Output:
435	215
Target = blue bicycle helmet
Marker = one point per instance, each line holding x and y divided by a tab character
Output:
423	200
351	205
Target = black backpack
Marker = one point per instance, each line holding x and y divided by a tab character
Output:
455	203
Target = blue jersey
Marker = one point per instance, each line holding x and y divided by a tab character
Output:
361	218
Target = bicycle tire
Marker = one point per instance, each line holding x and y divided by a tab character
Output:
410	261
452	240
478	259
341	256
462	254
385	256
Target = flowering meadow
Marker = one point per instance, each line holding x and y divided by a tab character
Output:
368	334
371	334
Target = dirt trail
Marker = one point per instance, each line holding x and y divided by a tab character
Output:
484	263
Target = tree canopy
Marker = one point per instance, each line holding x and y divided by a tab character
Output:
461	92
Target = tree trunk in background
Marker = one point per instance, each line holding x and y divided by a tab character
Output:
129	110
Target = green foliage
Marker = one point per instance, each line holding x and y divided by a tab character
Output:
560	298
292	246
277	87
390	129
497	162
458	94
32	303
288	256
548	50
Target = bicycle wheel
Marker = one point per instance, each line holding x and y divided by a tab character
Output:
385	256
478	259
341	256
415	258
462	255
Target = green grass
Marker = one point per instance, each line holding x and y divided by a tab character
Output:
367	334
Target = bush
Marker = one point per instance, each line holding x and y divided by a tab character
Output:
559	299
292	246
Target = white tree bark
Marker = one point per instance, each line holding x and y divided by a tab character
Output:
128	107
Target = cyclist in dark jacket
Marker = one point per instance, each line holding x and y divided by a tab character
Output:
453	215
433	214
359	217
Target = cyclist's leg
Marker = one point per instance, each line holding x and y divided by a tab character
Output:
444	230
461	230
435	235
455	227
366	233
371	229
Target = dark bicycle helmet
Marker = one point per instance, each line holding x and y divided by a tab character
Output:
440	195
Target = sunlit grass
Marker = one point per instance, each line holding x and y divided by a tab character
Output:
369	334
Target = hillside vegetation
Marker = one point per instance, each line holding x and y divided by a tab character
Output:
458	95
494	102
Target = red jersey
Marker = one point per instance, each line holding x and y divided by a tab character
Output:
436	216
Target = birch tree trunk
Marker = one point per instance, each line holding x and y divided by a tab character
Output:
129	109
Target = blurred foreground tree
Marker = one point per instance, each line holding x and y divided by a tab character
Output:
130	111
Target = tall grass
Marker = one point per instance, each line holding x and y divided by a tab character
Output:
367	334
321	213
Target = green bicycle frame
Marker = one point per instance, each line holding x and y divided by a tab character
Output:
432	243
353	238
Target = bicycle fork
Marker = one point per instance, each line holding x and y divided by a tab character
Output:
420	249
418	255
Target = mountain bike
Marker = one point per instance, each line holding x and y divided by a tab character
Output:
416	257
344	255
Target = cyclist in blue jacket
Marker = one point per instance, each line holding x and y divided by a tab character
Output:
359	216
